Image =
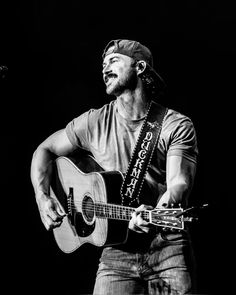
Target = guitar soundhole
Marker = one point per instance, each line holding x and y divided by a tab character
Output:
88	209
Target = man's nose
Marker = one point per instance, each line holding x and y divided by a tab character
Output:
106	69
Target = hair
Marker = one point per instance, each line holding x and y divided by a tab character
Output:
154	86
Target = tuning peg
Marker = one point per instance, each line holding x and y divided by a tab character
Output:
190	219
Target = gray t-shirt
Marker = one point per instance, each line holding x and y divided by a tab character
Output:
111	139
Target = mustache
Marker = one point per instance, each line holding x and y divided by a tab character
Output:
107	76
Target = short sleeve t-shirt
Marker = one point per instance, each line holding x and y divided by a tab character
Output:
112	138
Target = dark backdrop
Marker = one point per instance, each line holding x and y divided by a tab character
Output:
53	53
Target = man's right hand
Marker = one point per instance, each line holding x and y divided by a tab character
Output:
51	212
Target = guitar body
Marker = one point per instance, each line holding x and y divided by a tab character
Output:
80	188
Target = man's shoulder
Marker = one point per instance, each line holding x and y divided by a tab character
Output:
103	110
173	115
176	121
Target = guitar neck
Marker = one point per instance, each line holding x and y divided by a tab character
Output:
117	212
170	217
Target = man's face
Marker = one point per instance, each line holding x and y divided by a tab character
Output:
119	73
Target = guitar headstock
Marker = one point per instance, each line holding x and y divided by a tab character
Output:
171	218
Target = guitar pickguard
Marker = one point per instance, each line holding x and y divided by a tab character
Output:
82	228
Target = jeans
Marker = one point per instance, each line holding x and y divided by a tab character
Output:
166	267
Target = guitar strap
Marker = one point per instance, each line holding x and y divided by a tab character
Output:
142	154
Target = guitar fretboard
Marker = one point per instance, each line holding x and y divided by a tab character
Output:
159	217
117	212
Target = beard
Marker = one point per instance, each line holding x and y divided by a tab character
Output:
127	82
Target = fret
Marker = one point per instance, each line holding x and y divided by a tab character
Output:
112	211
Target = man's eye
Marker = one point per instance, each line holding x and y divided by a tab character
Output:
114	60
110	62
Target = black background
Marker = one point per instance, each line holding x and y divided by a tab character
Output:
53	53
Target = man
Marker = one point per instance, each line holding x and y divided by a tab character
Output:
152	261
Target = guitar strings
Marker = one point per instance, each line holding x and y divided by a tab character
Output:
99	205
118	207
115	211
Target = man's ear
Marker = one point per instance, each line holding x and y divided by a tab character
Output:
141	66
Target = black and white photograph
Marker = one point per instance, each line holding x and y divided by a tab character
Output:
117	146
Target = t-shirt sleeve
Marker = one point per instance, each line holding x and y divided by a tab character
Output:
183	140
77	131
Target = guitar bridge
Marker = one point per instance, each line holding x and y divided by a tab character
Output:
70	202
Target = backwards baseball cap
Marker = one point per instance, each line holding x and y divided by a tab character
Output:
135	50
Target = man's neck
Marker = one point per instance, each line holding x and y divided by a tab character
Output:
133	105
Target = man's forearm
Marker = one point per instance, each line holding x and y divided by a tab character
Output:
41	168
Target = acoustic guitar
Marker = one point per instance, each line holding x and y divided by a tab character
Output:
91	199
